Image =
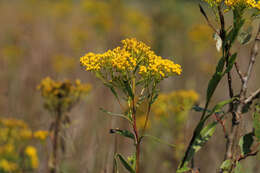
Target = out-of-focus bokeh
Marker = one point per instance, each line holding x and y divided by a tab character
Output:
40	38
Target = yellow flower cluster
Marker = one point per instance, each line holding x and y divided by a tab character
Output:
174	103
41	135
62	94
31	152
133	56
14	138
7	166
236	3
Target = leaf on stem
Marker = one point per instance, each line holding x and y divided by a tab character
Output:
246	142
218	107
158	140
125	163
213	83
115	114
226	166
200	140
231	62
128	89
124	133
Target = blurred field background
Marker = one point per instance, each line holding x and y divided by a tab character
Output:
40	38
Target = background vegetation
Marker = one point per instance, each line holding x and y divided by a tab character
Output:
46	38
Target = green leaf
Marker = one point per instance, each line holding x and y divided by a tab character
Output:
226	165
124	133
115	166
154	98
128	89
213	83
218	107
125	163
231	62
115	114
246	142
158	140
201	109
256	122
132	160
244	37
199	141
183	169
238	23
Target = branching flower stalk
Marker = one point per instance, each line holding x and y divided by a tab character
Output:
236	103
132	72
59	99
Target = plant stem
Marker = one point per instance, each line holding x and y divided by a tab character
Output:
55	146
137	141
137	144
233	137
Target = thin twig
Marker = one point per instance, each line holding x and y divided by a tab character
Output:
252	96
242	95
239	72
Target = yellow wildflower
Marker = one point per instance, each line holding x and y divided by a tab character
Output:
7	166
40	134
236	3
133	56
62	94
31	152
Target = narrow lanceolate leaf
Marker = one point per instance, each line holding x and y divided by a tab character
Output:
213	83
256	122
128	89
115	114
246	142
124	133
219	106
199	141
231	62
158	140
125	163
201	109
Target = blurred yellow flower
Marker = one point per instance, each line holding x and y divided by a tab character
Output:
7	166
62	94
41	135
31	152
140	122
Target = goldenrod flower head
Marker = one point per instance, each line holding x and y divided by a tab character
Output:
31	152
7	166
62	94
11	122
236	3
174	103
133	57
41	135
